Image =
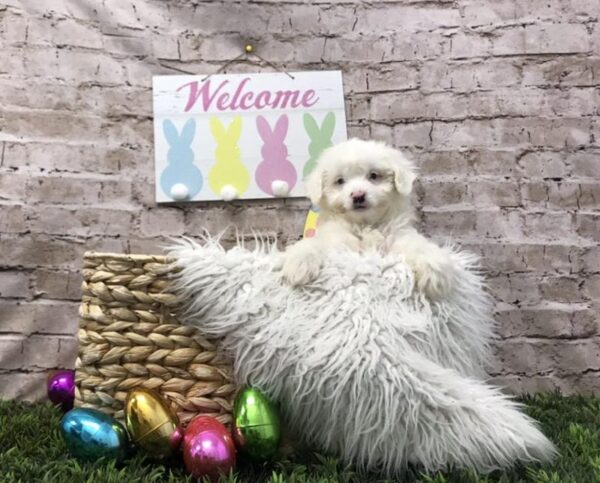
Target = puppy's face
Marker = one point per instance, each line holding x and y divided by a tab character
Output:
360	180
358	187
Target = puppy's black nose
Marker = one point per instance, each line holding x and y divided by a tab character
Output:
358	198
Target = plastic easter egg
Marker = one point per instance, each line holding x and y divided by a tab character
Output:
90	434
208	448
61	389
256	429
151	424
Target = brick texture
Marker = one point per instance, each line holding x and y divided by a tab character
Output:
497	101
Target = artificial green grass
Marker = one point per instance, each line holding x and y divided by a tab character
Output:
31	450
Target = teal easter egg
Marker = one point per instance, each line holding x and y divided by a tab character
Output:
256	426
90	434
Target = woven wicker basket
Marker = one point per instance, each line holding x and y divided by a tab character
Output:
129	337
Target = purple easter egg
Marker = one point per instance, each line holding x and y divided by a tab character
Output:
61	389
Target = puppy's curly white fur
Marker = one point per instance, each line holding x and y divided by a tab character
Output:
363	192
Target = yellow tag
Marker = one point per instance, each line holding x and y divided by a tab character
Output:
310	226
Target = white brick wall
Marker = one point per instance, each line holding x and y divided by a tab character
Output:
496	100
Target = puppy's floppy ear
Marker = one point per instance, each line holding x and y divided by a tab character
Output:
314	185
405	172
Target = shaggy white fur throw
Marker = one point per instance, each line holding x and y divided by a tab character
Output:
362	364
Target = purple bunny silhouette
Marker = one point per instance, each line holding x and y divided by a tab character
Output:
275	166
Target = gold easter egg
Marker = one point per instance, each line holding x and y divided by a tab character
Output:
151	424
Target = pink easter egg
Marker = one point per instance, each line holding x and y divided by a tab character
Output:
208	448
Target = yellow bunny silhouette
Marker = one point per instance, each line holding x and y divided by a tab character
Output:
228	175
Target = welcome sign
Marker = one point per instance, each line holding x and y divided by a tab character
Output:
243	136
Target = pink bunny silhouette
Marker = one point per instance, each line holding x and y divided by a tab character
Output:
275	166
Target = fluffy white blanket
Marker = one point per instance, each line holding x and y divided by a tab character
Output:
363	365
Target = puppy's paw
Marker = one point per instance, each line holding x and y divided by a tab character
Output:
299	270
434	273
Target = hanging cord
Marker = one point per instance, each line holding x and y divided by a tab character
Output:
248	50
224	66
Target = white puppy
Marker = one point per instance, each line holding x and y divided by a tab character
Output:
363	192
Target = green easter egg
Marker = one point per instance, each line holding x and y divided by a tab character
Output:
256	426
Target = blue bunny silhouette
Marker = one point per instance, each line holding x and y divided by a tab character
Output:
180	158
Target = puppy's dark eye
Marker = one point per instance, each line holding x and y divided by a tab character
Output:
339	181
373	176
